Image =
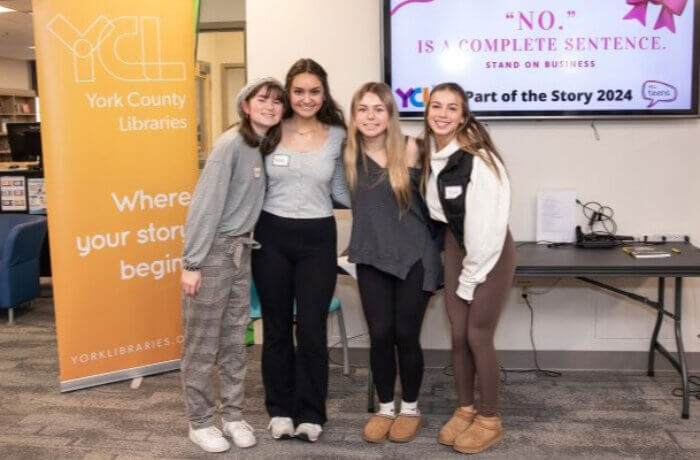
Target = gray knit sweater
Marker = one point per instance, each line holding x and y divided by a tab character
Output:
228	197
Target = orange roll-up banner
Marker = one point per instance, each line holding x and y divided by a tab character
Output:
118	125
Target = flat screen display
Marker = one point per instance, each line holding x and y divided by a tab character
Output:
546	58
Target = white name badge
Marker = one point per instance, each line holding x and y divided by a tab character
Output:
257	172
453	191
280	159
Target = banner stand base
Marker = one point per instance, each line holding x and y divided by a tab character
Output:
126	374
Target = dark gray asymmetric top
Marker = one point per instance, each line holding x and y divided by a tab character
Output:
384	239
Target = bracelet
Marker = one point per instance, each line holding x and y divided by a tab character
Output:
190	267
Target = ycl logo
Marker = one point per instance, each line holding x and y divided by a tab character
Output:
417	97
127	47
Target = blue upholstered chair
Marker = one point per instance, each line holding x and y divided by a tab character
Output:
21	238
335	306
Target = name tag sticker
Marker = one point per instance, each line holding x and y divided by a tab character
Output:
280	159
453	191
257	172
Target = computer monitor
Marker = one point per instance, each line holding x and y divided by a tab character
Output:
25	141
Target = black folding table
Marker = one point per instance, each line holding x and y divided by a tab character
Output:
567	261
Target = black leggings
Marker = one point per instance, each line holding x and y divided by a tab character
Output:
394	309
297	260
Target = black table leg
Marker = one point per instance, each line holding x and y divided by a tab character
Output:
681	351
678	362
657	327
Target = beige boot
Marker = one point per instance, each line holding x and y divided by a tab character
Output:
482	434
460	421
377	428
405	428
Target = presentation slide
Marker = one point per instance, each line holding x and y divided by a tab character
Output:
545	57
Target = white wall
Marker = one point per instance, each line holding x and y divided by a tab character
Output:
647	171
14	74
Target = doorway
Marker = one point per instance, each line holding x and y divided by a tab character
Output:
224	51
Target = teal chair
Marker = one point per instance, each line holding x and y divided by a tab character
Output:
334	307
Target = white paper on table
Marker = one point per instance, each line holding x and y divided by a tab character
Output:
556	219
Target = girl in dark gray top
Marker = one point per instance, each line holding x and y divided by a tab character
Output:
397	256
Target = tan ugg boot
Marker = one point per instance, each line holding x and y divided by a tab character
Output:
405	428
460	421
377	428
482	434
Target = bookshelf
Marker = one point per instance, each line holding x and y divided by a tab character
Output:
16	106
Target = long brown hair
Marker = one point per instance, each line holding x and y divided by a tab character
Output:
394	142
470	135
273	136
329	113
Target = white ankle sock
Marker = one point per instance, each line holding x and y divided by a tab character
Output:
387	409
408	408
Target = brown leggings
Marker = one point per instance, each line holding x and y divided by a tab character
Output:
473	326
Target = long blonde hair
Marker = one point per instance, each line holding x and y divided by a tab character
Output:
470	135
396	166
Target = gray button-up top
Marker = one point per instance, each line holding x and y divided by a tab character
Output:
300	185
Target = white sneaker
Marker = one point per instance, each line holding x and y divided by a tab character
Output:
281	427
308	431
210	439
242	434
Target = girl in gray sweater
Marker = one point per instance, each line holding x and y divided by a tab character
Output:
216	260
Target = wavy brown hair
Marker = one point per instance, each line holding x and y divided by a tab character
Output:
273	136
471	134
394	142
329	113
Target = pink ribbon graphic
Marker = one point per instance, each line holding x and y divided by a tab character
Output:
669	8
406	2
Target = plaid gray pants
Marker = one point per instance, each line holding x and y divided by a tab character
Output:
214	322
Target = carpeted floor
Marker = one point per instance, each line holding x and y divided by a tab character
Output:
578	415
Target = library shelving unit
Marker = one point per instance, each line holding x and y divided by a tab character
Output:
16	106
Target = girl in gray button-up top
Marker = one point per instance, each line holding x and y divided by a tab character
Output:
297	260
